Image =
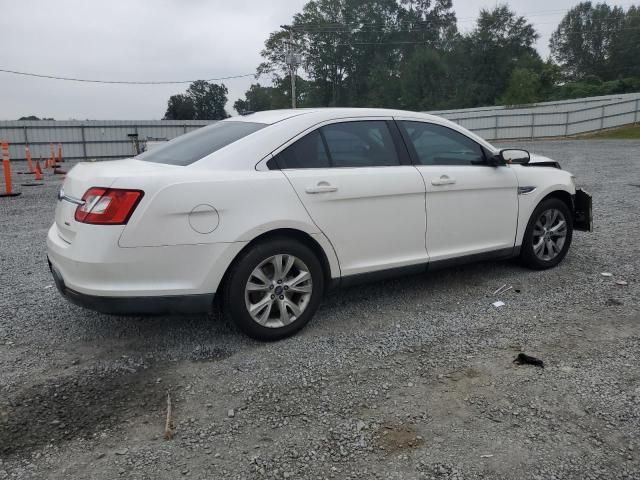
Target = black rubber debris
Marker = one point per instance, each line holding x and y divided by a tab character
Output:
524	359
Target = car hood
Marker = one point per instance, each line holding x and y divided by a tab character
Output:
535	158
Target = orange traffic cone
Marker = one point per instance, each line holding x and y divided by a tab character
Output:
60	159
30	170
29	160
38	171
6	166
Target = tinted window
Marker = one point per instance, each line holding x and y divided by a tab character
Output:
308	152
438	145
360	144
196	145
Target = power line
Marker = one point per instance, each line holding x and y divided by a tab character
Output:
121	82
417	30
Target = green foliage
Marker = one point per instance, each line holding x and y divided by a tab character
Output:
592	88
523	88
409	54
629	132
202	101
582	44
180	107
257	98
625	46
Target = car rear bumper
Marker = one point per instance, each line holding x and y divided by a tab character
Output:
583	216
147	305
92	271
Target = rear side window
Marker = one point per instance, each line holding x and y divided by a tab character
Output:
346	144
308	152
438	145
193	146
360	144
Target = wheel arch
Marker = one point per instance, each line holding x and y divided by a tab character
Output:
562	195
528	204
330	269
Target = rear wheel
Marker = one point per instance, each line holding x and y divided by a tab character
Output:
548	235
274	289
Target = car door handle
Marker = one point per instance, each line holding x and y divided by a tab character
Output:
444	180
321	187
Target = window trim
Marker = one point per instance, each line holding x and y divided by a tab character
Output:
402	153
413	153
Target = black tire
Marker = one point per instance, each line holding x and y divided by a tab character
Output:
527	254
233	301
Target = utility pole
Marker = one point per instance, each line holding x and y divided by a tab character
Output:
292	59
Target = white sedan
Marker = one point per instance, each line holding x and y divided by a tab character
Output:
269	210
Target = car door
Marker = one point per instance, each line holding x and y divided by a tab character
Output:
472	208
362	192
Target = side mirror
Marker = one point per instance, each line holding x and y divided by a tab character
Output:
514	155
496	161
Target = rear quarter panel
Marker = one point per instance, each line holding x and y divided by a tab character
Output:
247	203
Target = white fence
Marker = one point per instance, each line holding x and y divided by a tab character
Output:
91	139
549	119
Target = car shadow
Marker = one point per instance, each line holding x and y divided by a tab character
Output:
199	337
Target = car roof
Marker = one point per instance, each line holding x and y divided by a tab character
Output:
270	117
287	125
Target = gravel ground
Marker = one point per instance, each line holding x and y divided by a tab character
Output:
405	379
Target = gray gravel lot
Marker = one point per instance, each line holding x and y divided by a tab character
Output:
409	378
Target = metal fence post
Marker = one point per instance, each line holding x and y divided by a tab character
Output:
184	128
602	117
533	124
26	137
495	128
84	143
566	124
635	116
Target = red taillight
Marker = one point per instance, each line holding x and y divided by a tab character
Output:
108	206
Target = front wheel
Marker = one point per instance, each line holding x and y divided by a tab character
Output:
548	235
274	289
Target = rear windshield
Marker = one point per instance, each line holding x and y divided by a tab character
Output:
191	147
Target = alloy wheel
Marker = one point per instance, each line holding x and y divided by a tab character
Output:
278	291
549	234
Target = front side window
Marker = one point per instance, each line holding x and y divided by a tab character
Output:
193	146
438	145
346	144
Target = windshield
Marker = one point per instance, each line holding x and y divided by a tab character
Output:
189	148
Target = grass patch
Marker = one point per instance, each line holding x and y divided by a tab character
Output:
627	132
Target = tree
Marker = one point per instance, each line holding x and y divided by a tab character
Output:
582	42
30	117
421	80
257	98
500	42
338	40
625	46
523	87
180	107
208	99
202	101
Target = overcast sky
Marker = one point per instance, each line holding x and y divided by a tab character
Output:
157	40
